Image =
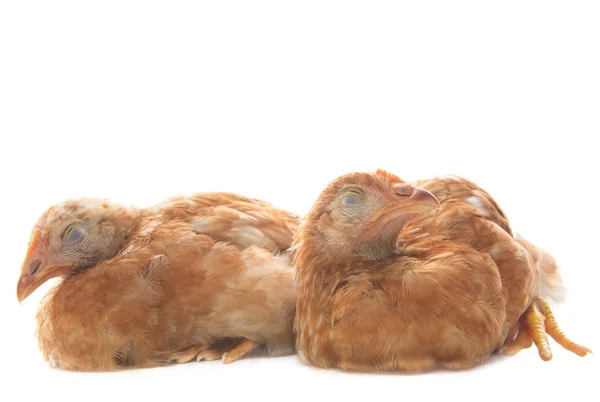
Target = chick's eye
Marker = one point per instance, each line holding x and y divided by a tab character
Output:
351	199
73	235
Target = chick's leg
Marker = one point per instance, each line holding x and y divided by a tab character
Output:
557	334
535	319
228	351
536	323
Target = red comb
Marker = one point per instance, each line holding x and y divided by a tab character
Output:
391	177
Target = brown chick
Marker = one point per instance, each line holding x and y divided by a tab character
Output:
202	277
395	276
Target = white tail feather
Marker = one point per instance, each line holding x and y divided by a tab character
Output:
551	284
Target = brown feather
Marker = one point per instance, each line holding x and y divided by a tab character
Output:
444	289
191	271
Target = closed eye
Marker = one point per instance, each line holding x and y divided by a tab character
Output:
73	235
351	199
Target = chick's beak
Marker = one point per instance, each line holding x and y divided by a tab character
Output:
409	201
35	269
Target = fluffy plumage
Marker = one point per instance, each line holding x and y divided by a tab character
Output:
414	276
204	276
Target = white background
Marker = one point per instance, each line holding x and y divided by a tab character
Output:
139	101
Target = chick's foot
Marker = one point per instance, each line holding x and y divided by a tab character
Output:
535	324
188	354
228	351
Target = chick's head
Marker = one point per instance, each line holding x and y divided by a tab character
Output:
72	236
359	215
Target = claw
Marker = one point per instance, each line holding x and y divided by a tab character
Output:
228	351
188	354
240	350
209	355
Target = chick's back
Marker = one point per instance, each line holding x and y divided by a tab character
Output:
169	289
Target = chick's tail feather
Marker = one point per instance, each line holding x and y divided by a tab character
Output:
538	321
551	285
